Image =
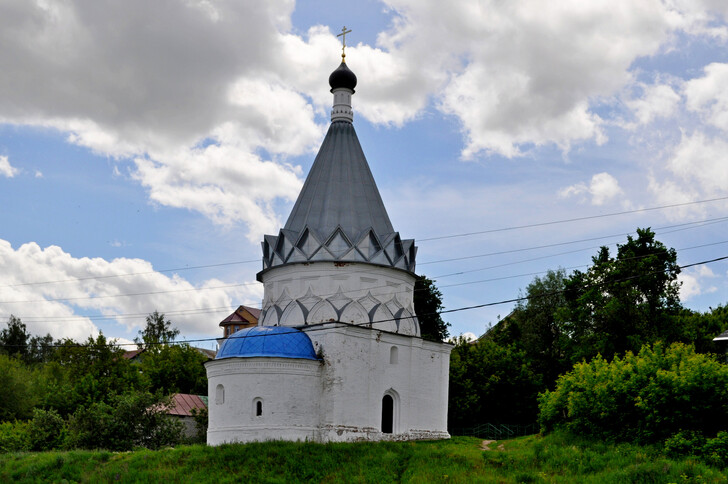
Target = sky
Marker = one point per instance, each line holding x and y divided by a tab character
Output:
147	147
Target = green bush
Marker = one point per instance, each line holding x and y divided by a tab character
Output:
14	437
47	430
130	420
683	443
715	450
645	398
16	382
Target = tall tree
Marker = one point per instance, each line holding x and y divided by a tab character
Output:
623	302
428	304
158	331
14	338
90	372
542	335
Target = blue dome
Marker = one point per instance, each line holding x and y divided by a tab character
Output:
268	341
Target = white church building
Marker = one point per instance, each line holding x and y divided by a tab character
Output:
337	353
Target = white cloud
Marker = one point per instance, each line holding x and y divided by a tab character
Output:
708	95
97	285
656	101
155	81
38	174
518	74
6	169
467	336
161	82
693	282
700	161
602	188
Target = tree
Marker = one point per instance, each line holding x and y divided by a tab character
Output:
40	349
699	328
158	331
130	420
81	374
542	336
623	302
17	396
14	338
491	383
16	341
428	304
175	368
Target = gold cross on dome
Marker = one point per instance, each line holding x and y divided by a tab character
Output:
343	41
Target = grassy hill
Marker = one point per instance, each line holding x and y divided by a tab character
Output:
554	458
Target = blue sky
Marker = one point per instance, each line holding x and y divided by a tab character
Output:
142	140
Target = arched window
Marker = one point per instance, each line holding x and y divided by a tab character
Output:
393	355
258	407
387	414
219	395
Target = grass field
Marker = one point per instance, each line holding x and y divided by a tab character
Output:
554	458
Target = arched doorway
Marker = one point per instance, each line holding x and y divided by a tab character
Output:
387	414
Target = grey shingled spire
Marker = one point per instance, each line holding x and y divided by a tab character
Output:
340	191
339	215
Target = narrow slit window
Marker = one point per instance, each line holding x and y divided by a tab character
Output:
258	407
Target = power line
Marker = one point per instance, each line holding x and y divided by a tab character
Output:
111	276
225	308
685	225
577	219
320	326
222	264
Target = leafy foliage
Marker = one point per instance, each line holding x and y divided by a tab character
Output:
127	421
175	368
46	430
623	302
14	436
16	341
491	382
645	397
428	304
14	338
16	385
201	421
158	331
88	373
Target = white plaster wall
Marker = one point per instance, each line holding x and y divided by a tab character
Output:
358	293
357	372
290	390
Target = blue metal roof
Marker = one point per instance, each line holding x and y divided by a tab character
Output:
267	341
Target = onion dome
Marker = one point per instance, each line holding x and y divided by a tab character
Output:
267	341
342	77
